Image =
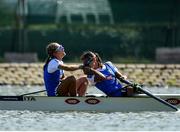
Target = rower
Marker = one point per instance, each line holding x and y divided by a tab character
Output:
104	76
55	81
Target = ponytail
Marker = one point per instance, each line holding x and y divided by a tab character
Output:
50	49
99	60
47	61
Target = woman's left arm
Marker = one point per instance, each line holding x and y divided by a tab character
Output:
119	75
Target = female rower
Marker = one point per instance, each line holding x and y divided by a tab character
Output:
55	81
105	76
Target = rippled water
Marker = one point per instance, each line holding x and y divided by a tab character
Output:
87	121
27	120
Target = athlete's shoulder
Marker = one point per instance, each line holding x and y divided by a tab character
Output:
111	65
55	62
108	63
53	65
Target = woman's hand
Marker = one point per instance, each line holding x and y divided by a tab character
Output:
87	70
124	77
81	66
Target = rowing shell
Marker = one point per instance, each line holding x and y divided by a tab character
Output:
97	103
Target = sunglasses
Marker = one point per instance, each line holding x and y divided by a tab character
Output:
88	62
60	49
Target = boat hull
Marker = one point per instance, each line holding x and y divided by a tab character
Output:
98	103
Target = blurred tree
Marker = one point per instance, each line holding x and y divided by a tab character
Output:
6	15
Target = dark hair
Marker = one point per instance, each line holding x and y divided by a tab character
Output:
88	56
98	59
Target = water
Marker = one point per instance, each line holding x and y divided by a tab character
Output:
86	121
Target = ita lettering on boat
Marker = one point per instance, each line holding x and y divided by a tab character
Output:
28	98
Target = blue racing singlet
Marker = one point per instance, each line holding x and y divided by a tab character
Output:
52	80
111	87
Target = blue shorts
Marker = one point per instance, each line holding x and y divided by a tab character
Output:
118	93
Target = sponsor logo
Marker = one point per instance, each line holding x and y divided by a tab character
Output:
72	101
29	98
173	101
92	101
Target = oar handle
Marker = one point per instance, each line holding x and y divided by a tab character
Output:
138	87
125	81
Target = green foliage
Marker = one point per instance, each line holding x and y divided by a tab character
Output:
2	59
140	27
120	43
130	59
7	15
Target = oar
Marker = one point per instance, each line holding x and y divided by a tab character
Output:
139	88
33	92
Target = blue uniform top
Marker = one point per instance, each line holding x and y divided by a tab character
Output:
111	87
52	76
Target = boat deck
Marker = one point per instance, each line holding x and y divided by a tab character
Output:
98	102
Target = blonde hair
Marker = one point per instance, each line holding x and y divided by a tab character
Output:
50	49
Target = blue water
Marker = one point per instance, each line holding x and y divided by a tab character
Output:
86	121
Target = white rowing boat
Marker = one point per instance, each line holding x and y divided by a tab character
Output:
97	103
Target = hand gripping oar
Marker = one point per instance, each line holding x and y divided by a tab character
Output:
33	92
139	88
